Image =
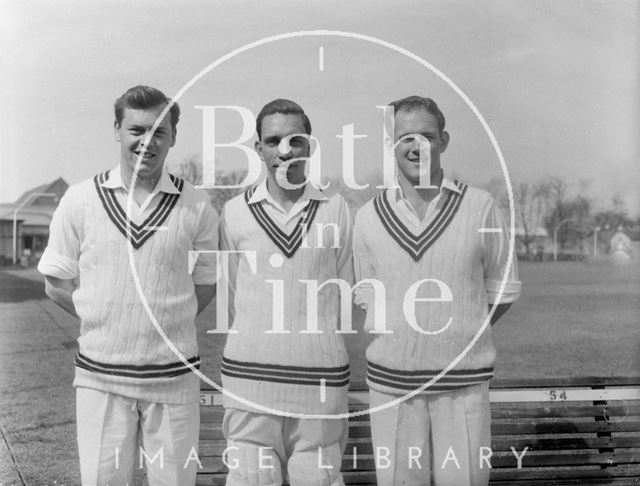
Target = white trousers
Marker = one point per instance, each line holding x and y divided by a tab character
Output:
263	449
442	439
117	434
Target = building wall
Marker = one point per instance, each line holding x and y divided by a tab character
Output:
6	241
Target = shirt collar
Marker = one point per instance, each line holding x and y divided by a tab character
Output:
262	193
115	181
447	184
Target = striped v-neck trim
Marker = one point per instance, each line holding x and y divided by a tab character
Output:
287	243
417	245
136	234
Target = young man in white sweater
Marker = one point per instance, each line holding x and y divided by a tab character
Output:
130	385
283	356
440	249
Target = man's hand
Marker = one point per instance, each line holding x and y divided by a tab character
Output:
204	295
60	291
363	295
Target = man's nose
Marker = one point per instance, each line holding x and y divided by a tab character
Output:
418	145
147	140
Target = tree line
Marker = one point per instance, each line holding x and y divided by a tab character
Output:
544	203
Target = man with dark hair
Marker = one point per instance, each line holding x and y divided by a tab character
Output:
440	248
284	107
142	97
281	357
130	386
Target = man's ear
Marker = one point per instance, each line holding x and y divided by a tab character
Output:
445	140
116	131
258	148
174	134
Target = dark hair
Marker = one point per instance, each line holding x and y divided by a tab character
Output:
413	103
144	97
286	107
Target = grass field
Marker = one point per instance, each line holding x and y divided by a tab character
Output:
573	319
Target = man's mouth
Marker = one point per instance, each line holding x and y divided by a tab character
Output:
288	165
144	154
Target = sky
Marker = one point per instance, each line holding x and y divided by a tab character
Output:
557	83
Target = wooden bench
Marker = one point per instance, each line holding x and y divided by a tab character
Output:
582	431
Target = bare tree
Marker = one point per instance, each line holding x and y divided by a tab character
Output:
614	216
576	211
354	198
191	170
527	217
530	206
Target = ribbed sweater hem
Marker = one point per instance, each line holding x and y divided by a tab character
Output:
394	381
276	398
178	389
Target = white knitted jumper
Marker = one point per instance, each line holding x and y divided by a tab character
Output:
294	371
451	249
120	351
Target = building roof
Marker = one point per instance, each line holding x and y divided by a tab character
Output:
35	209
30	216
57	187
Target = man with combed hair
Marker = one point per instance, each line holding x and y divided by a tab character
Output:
130	386
273	357
440	248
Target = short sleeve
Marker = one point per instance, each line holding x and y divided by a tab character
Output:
227	243
496	244
60	258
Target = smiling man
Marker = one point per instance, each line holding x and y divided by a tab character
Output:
130	386
445	245
278	356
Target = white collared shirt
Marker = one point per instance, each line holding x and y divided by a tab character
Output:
401	203
286	219
138	211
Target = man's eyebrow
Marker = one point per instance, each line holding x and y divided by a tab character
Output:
136	126
424	134
272	138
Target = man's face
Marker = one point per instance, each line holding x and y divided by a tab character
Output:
274	128
407	125
132	133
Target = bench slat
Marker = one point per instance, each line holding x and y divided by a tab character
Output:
505	444
566	473
614	413
212	430
507	411
563	427
564	395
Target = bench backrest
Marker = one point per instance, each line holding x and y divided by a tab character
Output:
581	432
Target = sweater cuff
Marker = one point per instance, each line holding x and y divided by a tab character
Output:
55	265
509	295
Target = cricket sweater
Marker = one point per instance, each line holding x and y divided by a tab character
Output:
276	357
120	350
453	250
